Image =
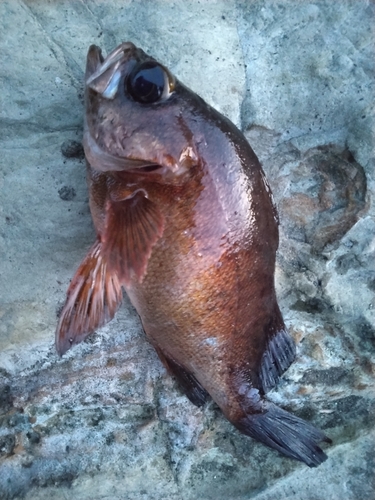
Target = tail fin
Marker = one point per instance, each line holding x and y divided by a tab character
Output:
288	434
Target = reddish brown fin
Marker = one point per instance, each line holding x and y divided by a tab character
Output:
188	383
93	297
132	227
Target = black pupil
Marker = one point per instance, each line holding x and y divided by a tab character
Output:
146	83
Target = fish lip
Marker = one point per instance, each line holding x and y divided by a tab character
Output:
113	57
94	60
100	71
104	74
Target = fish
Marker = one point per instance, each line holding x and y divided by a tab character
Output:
186	224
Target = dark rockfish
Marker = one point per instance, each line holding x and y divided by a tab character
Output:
186	224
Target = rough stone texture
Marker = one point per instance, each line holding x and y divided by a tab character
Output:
106	421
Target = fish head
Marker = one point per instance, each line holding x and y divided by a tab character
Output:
138	115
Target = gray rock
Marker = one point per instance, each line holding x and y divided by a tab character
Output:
106	421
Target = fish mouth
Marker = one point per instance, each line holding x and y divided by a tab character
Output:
94	60
103	75
97	65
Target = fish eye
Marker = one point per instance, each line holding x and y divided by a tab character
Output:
147	82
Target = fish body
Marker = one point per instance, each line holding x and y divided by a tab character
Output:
186	224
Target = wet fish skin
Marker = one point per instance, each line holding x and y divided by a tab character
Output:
186	223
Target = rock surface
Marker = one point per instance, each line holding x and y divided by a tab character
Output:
106	421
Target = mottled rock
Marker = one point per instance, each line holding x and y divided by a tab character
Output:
327	192
7	444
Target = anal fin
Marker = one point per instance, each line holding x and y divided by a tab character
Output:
93	298
188	383
132	227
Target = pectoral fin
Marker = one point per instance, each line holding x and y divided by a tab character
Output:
93	297
132	227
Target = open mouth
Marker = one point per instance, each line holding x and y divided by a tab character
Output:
103	76
97	65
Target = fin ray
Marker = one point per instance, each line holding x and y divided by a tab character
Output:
283	431
132	227
278	356
93	298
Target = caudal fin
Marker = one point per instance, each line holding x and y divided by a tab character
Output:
285	432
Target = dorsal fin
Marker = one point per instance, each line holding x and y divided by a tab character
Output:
279	354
